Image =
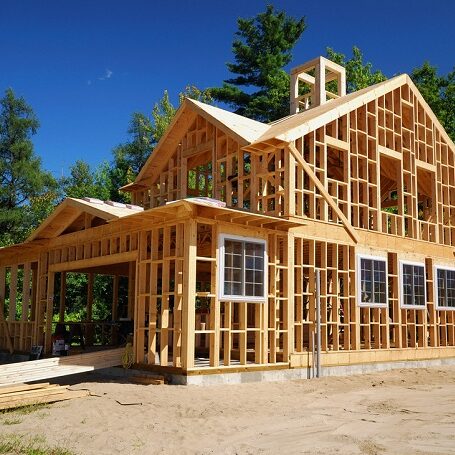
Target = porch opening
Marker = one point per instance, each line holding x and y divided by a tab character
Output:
92	308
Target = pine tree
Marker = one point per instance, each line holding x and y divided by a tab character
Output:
261	51
24	185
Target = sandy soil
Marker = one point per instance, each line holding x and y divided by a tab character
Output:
397	412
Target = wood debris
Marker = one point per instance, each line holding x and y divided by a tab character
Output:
21	395
147	380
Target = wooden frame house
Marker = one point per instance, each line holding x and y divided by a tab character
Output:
231	219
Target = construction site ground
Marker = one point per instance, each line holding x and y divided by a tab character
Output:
395	412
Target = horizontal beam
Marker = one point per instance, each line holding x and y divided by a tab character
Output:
390	153
94	262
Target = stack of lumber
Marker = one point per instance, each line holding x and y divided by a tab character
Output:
147	380
38	370
21	395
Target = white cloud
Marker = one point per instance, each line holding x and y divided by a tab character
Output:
107	75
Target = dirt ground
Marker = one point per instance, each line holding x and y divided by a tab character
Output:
396	412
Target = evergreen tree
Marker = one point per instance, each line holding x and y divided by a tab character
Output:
261	51
24	185
439	93
85	182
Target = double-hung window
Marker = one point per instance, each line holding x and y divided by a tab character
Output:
445	289
413	293
372	281
243	269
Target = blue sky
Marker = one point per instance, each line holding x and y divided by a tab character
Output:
86	66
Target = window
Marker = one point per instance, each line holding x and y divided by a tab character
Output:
243	271
445	289
413	292
372	281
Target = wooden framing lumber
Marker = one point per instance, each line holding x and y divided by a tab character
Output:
38	370
189	294
367	174
353	234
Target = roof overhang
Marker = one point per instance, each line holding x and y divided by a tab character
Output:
71	209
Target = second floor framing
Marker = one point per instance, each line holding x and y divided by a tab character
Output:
375	160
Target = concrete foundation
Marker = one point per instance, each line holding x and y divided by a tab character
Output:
278	375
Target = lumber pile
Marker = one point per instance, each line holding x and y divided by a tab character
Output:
21	395
147	380
38	370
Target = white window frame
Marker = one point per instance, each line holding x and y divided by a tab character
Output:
359	281
435	287
239	298
401	283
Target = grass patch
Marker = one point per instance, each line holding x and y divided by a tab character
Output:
13	444
11	420
24	410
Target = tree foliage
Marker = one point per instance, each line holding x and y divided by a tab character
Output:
261	51
85	182
24	185
359	74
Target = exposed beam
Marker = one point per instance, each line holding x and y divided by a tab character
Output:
324	193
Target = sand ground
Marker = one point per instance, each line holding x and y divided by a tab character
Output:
397	412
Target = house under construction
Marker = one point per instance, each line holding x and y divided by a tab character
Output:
232	221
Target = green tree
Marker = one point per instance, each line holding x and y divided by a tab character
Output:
262	49
359	74
85	182
25	186
439	93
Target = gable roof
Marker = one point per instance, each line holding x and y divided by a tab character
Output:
246	129
250	133
294	126
71	209
243	129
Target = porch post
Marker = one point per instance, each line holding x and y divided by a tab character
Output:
189	293
48	312
89	309
131	289
61	313
289	316
115	282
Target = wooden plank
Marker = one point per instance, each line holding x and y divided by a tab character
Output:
48	312
62	396
20	387
131	288
215	316
61	312
89	308
165	278
115	285
189	294
26	292
147	380
3	323
43	369
12	293
337	144
19	394
94	262
389	152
